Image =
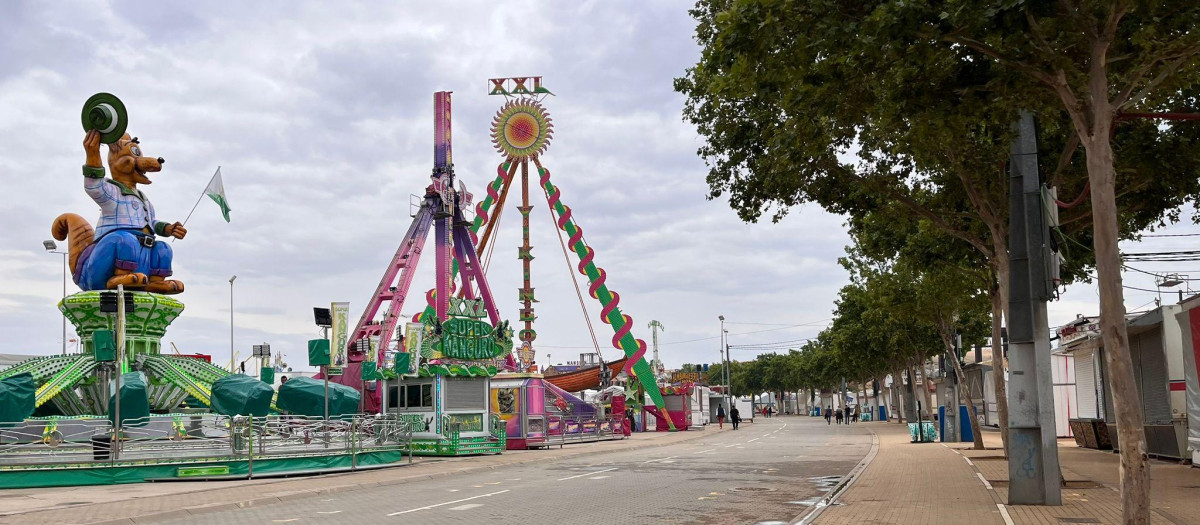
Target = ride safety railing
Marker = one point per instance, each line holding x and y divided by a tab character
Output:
562	429
90	441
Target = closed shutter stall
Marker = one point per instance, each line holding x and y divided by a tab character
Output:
465	394
1085	385
1156	401
673	403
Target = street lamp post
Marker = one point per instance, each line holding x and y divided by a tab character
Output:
725	368
51	247
231	280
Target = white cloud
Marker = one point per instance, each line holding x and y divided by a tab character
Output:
319	114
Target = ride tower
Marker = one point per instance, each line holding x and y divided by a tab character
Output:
444	362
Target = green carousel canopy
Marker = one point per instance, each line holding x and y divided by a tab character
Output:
305	396
17	395
240	395
135	402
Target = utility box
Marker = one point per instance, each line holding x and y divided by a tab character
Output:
104	345
318	352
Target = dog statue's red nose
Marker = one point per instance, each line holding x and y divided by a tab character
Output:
161	160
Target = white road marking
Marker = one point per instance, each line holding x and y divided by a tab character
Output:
329	512
733	445
659	459
286	521
584	474
447	503
703	451
468	506
751	441
964	457
1004	514
985	481
487	483
598	477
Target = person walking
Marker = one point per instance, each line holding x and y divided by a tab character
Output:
856	413
839	415
828	415
735	417
847	414
721	415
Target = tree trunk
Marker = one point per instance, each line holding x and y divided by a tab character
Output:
1135	473
896	410
911	410
998	366
964	389
925	393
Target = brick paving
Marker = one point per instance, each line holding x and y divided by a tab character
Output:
932	483
913	483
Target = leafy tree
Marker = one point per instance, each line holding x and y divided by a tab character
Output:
783	88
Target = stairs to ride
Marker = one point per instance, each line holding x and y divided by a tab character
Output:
479	445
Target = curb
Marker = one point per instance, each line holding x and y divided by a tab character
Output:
815	511
281	497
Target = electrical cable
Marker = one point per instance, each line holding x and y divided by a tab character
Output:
578	294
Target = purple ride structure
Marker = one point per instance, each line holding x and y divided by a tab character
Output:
449	353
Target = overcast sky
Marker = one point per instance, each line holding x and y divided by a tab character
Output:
320	116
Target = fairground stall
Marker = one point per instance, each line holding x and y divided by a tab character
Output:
538	414
678	400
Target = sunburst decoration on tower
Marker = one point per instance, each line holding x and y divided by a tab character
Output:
522	129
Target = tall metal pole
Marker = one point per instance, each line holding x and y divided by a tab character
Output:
231	280
1035	478
525	254
64	296
115	444
725	368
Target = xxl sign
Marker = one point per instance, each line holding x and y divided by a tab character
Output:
517	86
464	338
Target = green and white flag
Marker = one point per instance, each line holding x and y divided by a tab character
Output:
216	191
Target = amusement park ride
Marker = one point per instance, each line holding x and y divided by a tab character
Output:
451	358
448	381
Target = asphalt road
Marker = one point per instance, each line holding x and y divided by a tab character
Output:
768	471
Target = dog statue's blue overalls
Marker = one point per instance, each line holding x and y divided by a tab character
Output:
125	236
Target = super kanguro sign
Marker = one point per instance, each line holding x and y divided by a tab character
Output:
466	336
517	86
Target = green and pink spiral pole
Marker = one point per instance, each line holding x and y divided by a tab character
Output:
622	324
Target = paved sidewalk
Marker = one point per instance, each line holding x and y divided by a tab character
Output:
935	483
146	502
912	483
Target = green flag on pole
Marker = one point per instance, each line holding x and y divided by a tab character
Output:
216	191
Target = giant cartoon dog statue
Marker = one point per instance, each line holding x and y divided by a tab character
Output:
124	248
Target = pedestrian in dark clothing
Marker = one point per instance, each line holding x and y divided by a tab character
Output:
828	415
839	415
847	415
734	417
721	416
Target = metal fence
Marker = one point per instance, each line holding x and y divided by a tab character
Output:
93	442
582	429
